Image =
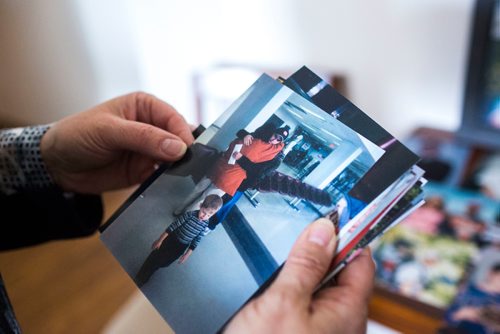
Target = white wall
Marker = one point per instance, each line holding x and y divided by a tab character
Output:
45	69
404	60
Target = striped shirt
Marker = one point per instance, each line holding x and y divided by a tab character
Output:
188	228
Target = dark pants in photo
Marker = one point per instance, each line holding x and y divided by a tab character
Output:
170	250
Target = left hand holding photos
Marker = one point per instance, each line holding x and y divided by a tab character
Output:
115	144
289	306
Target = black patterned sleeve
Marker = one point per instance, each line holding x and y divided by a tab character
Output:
41	211
8	321
21	164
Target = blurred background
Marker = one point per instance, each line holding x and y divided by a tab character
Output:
402	62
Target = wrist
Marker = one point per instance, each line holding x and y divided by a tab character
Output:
47	152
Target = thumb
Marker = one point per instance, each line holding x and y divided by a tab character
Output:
309	259
148	140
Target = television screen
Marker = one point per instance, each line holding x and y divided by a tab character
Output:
481	109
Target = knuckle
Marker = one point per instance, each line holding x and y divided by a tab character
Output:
278	301
308	260
144	136
102	127
143	101
144	132
140	95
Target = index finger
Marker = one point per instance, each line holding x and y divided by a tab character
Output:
154	111
355	281
359	274
348	299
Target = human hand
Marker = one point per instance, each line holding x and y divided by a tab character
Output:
185	256
469	313
157	244
247	140
115	144
289	306
237	155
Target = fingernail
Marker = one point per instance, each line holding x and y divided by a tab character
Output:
173	147
322	232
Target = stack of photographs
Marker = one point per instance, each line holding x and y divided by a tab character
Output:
203	236
444	259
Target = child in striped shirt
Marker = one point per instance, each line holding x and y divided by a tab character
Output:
179	239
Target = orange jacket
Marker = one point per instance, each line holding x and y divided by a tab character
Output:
229	177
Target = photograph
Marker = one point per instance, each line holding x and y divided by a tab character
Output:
442	155
397	158
374	214
476	308
427	256
401	206
208	231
